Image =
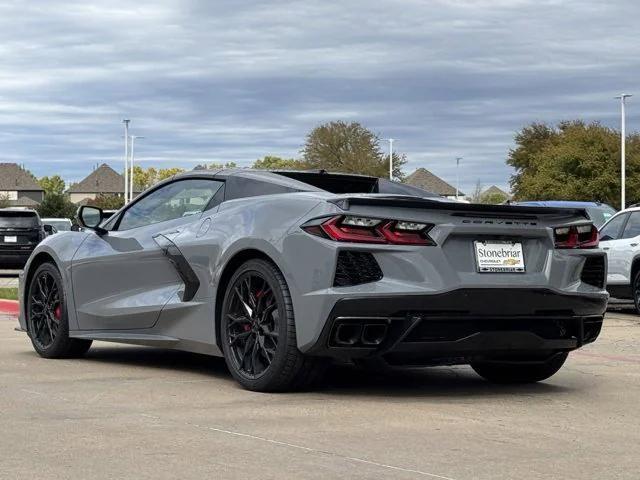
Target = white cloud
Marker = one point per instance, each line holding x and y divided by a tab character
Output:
239	79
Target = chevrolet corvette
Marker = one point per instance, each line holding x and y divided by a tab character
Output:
281	272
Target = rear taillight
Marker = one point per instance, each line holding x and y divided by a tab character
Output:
371	230
576	236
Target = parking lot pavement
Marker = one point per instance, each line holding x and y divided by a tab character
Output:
134	412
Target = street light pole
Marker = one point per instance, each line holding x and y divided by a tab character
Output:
457	176
133	141
391	159
623	160
126	159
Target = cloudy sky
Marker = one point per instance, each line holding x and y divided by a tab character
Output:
225	80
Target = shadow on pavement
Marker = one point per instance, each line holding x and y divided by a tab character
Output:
345	380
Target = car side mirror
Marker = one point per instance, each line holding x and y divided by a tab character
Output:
49	229
90	217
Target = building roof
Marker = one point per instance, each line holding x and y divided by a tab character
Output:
24	202
423	178
103	179
493	190
15	178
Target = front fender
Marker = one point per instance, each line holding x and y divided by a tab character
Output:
59	248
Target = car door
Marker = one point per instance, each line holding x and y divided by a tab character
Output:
123	278
616	247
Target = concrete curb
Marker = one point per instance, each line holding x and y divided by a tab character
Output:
9	307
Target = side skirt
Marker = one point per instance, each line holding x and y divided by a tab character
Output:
149	340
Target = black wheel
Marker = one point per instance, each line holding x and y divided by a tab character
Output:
636	292
258	332
520	371
46	312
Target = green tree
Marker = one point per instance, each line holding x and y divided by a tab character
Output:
4	201
107	202
57	205
271	162
215	166
144	178
350	148
493	198
53	185
573	161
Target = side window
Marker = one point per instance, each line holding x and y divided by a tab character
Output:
175	200
611	231
632	228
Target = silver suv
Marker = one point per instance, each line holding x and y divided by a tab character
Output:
620	238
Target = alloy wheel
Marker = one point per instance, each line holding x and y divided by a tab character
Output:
45	309
252	324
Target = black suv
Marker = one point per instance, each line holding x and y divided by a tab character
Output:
20	232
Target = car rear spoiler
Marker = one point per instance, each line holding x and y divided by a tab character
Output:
458	208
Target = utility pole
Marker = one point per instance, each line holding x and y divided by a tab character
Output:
623	160
457	176
133	141
126	160
391	159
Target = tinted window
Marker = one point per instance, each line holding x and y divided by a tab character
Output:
632	228
611	231
10	219
600	215
178	199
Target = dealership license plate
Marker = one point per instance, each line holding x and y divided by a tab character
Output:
494	256
10	239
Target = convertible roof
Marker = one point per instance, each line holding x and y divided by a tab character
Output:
261	182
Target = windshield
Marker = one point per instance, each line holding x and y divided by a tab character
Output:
600	215
60	225
10	219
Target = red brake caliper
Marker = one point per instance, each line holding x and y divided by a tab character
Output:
57	313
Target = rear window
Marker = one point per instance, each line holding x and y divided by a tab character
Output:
342	183
335	183
600	215
9	219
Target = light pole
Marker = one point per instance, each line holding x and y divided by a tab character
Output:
133	141
457	176
623	160
126	159
391	159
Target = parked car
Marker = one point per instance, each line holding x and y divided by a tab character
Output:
60	224
20	231
598	212
620	239
280	272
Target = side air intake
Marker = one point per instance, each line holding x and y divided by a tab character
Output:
355	268
593	271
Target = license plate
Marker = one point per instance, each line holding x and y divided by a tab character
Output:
495	256
10	239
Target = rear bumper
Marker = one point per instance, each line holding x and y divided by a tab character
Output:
14	258
460	325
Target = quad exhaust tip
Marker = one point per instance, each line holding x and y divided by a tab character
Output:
359	334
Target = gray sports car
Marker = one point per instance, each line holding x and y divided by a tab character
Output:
282	271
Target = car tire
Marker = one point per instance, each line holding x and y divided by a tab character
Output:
258	332
47	318
635	291
519	371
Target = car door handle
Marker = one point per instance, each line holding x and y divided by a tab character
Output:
633	244
605	248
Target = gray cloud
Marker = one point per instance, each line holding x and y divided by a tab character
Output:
235	80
